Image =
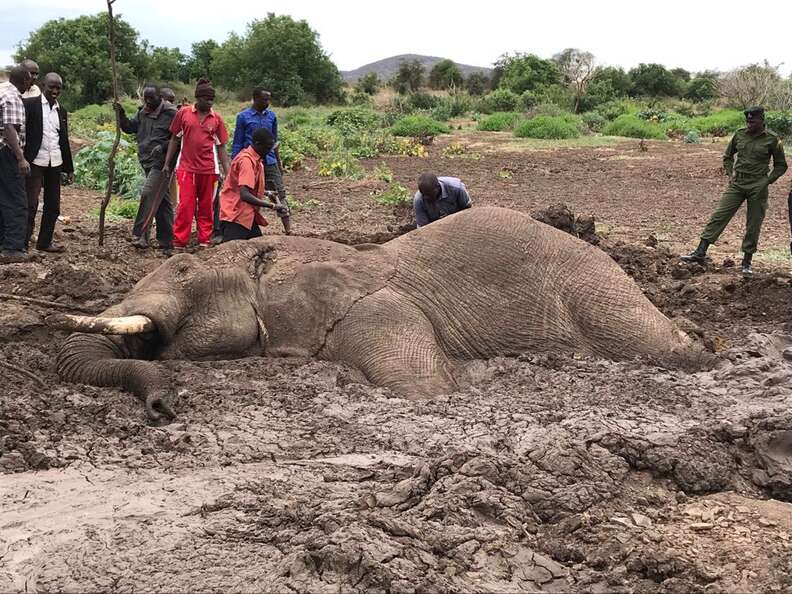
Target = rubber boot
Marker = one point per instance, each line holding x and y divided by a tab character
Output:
747	271
698	255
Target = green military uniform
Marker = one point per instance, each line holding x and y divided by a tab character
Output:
748	181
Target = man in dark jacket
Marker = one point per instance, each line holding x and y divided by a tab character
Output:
48	152
151	125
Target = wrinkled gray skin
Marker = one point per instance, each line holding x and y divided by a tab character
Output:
484	282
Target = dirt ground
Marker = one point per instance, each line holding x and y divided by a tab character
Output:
549	473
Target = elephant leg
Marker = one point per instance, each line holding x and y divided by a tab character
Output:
393	343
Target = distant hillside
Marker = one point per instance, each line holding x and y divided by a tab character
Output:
386	68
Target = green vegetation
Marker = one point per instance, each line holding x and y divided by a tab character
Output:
90	167
499	100
547	127
119	208
497	122
395	195
418	125
633	127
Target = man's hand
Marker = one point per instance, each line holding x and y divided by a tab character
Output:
118	107
69	178
166	170
280	208
24	167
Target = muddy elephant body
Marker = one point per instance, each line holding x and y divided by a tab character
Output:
482	283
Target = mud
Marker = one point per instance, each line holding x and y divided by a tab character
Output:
546	473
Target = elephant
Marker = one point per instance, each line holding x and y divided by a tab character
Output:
482	283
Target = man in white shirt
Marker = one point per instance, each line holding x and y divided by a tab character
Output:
48	152
33	91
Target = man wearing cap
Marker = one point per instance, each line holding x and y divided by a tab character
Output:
203	135
438	197
754	146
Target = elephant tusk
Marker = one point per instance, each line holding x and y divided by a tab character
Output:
97	325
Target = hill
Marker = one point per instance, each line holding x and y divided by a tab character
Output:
386	68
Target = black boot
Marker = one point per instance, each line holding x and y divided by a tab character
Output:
746	265
699	254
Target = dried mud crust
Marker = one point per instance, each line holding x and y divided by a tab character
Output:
546	473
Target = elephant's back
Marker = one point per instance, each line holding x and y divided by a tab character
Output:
496	281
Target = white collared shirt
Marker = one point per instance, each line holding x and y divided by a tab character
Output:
49	154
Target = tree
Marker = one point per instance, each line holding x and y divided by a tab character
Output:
703	86
409	77
445	74
577	69
477	83
654	80
79	50
525	72
617	78
166	64
199	63
369	84
755	84
281	54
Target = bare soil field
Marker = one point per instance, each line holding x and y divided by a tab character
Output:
549	473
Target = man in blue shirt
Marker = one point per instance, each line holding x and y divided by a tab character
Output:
438	197
259	115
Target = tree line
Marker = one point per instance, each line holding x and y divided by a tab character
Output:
285	55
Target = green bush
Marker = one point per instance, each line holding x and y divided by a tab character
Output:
119	208
90	167
458	103
692	137
721	123
418	125
87	122
528	100
497	122
341	165
610	110
441	113
419	100
632	126
594	121
499	100
547	127
295	117
780	122
349	121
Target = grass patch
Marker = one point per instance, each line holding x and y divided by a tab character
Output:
773	255
395	195
547	127
722	123
118	209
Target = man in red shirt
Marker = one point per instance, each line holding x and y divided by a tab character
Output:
203	136
243	189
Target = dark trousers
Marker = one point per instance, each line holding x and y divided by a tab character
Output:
217	224
153	190
50	179
13	203
233	231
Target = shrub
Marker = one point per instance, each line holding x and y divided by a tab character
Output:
780	122
458	103
406	147
119	208
441	113
528	100
90	167
499	100
395	195
610	110
418	125
422	100
296	117
547	127
632	126
594	121
348	121
721	123
692	137
497	122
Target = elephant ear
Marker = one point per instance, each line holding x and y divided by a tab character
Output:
306	296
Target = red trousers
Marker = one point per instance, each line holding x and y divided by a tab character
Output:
196	192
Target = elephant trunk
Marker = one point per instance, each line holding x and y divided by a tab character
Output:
100	360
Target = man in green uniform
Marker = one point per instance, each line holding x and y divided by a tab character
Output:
748	180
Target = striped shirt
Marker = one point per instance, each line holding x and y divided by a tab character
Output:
12	113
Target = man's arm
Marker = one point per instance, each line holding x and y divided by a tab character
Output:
173	146
68	162
239	136
127	125
247	195
779	162
463	198
421	216
225	163
728	156
10	120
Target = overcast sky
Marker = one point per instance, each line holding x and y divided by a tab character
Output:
694	35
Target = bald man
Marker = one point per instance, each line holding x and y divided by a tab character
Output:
48	152
33	91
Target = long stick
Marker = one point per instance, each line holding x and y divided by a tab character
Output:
44	303
114	150
159	196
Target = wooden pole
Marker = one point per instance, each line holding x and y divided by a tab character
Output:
114	150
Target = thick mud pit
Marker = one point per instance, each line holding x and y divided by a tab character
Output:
548	473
